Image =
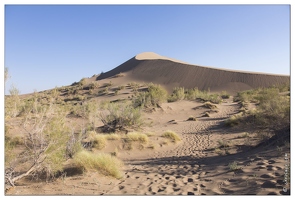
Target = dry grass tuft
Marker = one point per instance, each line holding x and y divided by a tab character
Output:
113	136
98	141
209	105
171	135
192	118
135	136
104	163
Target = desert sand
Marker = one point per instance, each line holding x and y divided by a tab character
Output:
151	67
191	166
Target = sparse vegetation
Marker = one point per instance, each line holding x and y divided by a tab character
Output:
196	94
93	85
104	163
233	166
107	85
272	111
223	145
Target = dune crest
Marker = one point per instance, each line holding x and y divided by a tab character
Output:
154	56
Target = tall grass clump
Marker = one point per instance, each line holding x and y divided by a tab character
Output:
104	163
171	135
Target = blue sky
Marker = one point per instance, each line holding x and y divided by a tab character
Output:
48	46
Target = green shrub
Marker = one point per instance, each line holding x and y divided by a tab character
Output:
193	94
152	98
119	116
103	163
177	94
171	135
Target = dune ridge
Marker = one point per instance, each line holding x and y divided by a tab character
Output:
151	67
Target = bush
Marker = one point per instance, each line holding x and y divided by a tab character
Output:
171	135
273	109
177	94
46	138
104	163
93	85
82	82
191	94
119	116
152	98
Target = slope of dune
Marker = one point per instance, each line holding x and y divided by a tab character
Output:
151	67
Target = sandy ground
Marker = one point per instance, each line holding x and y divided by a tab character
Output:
194	166
190	167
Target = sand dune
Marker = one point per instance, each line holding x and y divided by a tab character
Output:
151	67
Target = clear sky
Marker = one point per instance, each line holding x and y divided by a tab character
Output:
48	46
